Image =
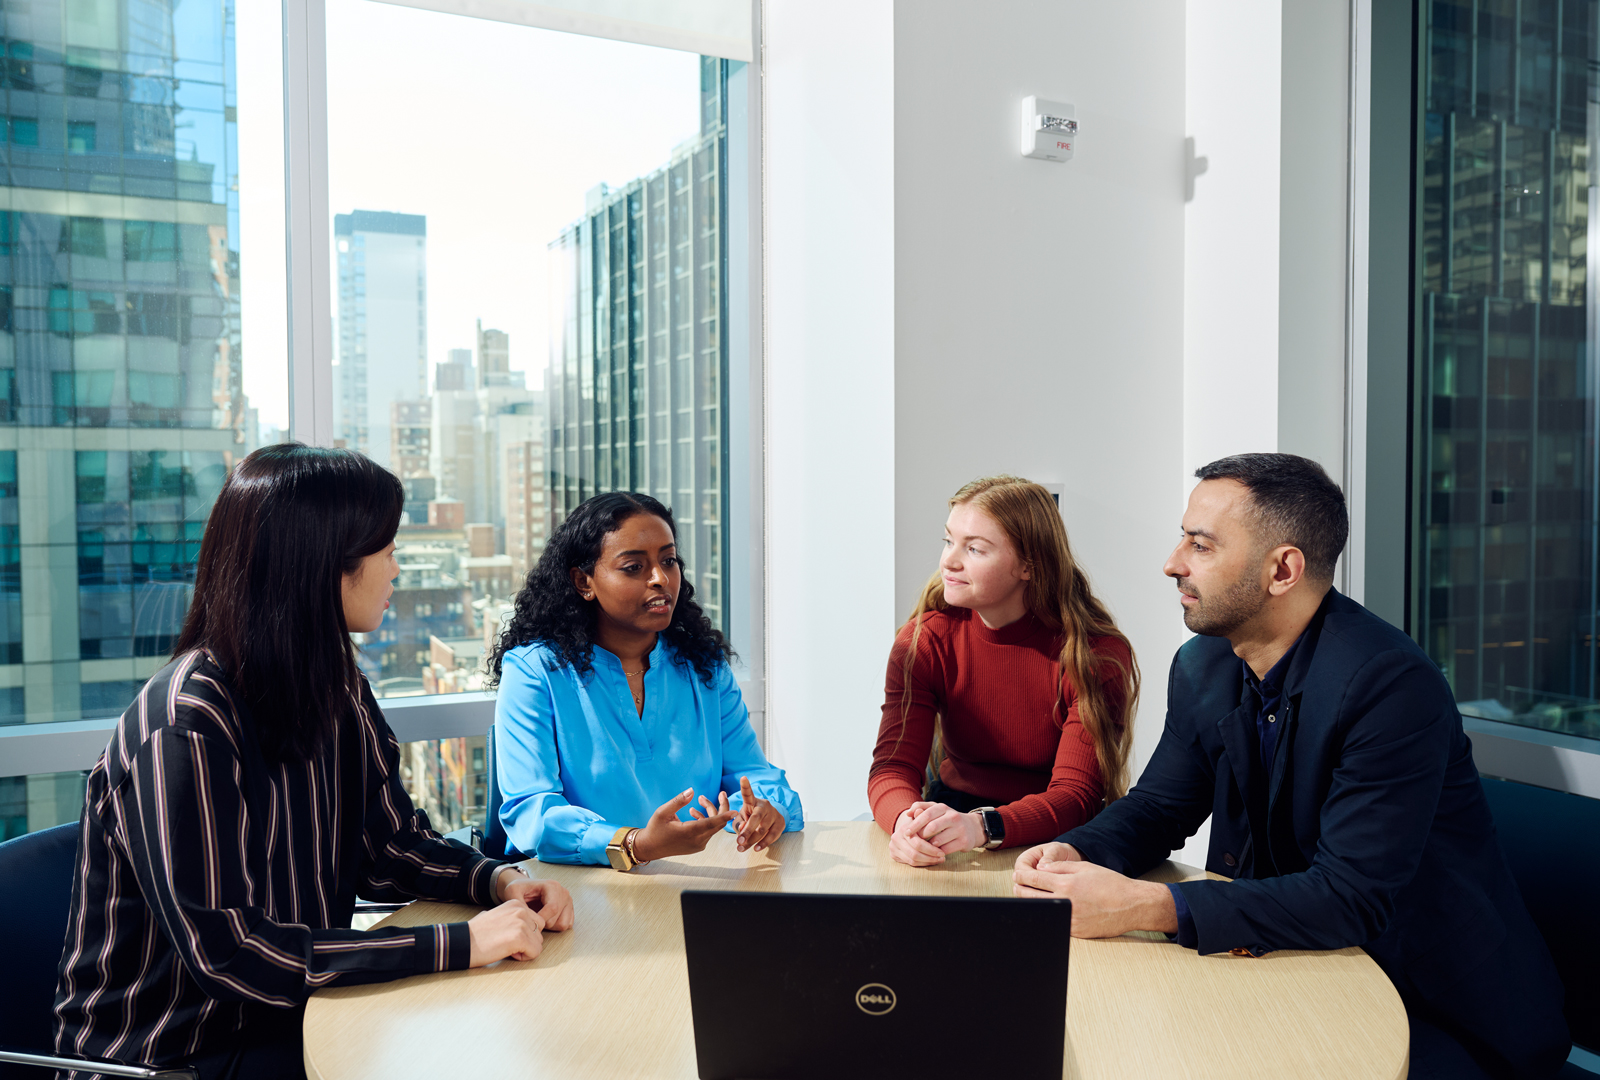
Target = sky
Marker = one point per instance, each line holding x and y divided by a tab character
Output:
494	132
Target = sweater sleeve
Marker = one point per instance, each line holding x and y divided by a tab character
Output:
1076	790
905	732
180	819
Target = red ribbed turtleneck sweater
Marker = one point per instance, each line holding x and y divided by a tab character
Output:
996	690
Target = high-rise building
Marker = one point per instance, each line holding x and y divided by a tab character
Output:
1504	568
410	437
527	511
119	350
494	359
383	323
455	373
637	378
470	428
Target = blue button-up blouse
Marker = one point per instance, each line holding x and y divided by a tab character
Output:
576	761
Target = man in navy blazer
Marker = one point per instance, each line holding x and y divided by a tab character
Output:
1328	752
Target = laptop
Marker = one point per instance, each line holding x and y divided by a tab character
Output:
805	985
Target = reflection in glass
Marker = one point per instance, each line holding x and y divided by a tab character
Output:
121	403
1506	559
637	387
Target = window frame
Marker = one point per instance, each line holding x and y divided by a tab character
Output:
67	746
1385	348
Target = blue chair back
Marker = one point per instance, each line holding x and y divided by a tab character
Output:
496	844
1552	842
36	877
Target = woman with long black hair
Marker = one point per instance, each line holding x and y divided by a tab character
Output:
253	789
617	707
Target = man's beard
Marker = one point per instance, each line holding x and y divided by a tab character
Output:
1226	611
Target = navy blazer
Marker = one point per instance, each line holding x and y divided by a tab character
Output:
1374	830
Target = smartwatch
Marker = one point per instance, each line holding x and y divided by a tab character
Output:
618	850
994	827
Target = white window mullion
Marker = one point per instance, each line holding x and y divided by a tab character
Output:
305	166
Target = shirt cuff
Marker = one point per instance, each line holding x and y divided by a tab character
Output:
1186	935
443	947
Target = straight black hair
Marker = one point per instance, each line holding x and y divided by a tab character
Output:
290	522
1295	501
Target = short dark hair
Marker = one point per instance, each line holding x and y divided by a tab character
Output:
290	522
1296	502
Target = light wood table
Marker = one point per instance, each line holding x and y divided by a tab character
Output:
610	998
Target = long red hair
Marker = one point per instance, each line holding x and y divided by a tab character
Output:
1059	596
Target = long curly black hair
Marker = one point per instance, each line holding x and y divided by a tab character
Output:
550	610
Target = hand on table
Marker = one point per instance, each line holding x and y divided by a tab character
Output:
758	822
665	835
906	842
513	929
550	899
949	830
1104	902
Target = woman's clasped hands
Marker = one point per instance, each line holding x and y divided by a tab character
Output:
925	832
515	927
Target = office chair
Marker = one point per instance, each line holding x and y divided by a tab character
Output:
496	844
36	873
1551	841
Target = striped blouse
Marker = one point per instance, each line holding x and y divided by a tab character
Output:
213	887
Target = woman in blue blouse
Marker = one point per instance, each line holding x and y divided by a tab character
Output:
617	709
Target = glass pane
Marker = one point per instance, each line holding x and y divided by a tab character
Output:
122	379
555	335
449	779
41	801
1505	433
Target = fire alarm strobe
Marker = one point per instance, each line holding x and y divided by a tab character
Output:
1049	129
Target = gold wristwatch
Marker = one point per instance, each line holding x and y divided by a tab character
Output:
620	852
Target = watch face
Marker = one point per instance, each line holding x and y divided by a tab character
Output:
994	825
618	857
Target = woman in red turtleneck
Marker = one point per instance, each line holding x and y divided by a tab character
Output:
1018	673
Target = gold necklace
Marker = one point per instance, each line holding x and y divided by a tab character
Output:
631	674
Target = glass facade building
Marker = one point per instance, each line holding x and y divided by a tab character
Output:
121	405
1504	428
637	382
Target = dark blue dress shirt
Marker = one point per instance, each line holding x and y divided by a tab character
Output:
1269	695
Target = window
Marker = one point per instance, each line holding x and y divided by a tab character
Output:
131	404
1504	554
80	136
619	245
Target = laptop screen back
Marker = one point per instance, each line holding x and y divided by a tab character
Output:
806	985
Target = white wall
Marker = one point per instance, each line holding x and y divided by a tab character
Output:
1039	306
830	265
941	308
1230	304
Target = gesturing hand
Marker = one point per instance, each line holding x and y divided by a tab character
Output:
1104	902
513	929
906	843
666	835
549	899
758	821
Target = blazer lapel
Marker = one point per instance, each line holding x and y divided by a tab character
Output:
1237	729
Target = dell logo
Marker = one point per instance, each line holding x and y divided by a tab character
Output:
875	999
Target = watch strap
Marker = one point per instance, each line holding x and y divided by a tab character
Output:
994	830
617	850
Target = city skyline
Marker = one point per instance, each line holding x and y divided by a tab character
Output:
533	119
